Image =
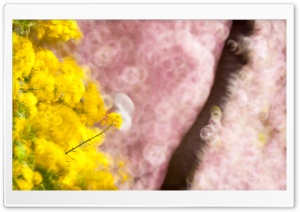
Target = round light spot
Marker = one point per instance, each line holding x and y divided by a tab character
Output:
207	132
155	155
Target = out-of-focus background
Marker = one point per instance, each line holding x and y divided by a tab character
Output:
158	75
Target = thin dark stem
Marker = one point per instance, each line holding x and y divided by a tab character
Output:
79	145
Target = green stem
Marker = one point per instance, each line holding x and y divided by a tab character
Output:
79	145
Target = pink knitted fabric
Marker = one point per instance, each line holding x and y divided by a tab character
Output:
158	75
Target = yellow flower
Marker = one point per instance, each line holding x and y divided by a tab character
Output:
50	156
19	124
45	62
37	178
69	84
23	56
42	106
91	107
16	87
28	102
27	99
43	86
57	30
22	175
114	119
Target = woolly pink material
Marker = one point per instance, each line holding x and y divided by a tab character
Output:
166	68
158	75
249	152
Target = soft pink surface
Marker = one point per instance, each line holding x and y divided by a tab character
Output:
167	69
249	152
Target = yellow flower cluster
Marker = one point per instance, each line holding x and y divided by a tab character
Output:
90	108
55	106
23	56
58	30
50	31
114	119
